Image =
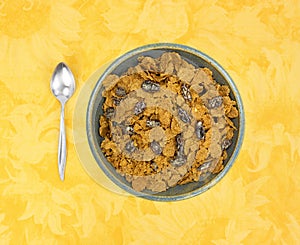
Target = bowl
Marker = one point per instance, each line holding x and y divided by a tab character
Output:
208	171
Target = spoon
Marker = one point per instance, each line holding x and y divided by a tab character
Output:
62	86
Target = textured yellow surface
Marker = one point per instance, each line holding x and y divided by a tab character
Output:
258	201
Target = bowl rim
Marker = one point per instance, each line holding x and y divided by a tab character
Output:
206	58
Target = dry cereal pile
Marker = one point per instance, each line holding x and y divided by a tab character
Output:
166	123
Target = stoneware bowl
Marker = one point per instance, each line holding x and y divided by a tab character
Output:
119	66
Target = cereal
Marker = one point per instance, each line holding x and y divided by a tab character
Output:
156	133
169	149
166	123
139	184
233	113
147	63
159	186
104	129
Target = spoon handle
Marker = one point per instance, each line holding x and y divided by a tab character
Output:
62	149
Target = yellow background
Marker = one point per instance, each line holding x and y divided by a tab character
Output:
257	42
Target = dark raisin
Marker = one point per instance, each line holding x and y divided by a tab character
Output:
179	141
178	161
215	102
139	107
152	123
203	91
120	91
130	130
180	150
205	166
154	166
155	147
199	130
150	87
116	101
185	91
226	143
110	112
129	147
127	130
183	115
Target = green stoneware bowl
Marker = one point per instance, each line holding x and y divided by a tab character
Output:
119	66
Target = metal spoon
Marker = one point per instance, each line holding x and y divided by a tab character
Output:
62	86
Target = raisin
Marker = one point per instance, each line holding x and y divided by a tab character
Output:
185	91
183	115
129	147
110	112
120	91
180	146
150	87
199	130
203	91
155	147
139	107
127	130
215	102
116	101
205	166
154	165
152	123
226	143
178	161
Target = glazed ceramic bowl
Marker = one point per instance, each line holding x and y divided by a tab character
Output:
121	65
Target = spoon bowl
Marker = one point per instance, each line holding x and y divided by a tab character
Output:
62	86
62	82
